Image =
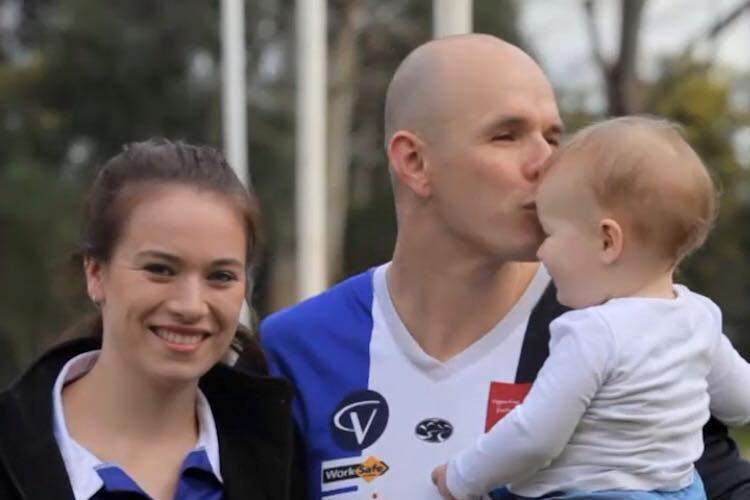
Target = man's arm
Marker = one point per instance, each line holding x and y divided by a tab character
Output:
725	474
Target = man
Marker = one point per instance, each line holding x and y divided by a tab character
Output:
398	368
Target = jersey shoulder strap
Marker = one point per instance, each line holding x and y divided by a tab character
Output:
535	347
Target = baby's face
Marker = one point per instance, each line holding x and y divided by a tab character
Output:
569	215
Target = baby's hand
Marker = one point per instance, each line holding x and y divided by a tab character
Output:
439	480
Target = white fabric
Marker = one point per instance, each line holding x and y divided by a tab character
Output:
619	404
81	464
455	390
417	412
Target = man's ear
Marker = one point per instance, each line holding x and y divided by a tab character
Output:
408	162
611	237
94	271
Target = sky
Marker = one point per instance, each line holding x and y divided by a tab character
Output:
556	31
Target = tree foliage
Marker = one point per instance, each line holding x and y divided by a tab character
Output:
78	78
698	97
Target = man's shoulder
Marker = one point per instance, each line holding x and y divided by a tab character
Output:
340	304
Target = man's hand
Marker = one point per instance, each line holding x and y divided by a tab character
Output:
439	480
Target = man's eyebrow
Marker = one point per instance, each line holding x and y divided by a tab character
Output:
506	121
514	121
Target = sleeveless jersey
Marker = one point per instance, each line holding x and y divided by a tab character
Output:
376	414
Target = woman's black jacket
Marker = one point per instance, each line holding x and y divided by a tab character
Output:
252	414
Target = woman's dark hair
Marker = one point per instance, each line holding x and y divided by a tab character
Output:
128	177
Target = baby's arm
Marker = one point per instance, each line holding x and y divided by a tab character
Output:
582	349
729	379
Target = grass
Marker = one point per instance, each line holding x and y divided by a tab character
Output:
742	436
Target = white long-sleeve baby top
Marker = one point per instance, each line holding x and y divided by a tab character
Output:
619	404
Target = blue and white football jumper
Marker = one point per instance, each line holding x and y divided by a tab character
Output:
376	413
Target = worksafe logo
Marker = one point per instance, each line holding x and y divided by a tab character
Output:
369	470
359	420
340	473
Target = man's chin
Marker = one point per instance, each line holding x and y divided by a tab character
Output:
529	258
527	253
523	255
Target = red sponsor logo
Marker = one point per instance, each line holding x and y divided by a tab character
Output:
502	399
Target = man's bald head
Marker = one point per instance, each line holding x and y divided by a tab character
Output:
469	121
429	84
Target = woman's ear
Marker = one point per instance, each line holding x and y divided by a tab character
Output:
408	162
611	237
93	270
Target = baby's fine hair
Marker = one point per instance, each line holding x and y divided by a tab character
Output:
644	172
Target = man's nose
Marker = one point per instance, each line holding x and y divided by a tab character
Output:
187	302
538	152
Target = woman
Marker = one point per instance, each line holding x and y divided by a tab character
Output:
144	405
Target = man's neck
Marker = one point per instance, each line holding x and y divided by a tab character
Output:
448	307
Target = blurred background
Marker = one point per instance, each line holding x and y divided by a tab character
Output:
78	78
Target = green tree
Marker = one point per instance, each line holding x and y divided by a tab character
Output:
81	77
86	77
698	97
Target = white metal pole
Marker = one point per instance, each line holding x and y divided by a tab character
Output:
451	17
234	98
312	273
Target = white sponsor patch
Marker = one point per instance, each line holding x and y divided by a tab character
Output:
340	473
348	472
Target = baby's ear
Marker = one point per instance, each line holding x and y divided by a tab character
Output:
611	238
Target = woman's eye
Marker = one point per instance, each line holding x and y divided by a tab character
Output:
553	141
223	276
159	269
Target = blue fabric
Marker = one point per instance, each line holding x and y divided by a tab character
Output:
323	346
502	494
196	482
693	492
116	481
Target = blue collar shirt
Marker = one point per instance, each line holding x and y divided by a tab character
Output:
93	479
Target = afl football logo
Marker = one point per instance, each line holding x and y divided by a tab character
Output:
434	430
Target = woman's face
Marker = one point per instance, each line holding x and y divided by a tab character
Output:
172	290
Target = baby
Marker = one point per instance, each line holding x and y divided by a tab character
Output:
638	366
